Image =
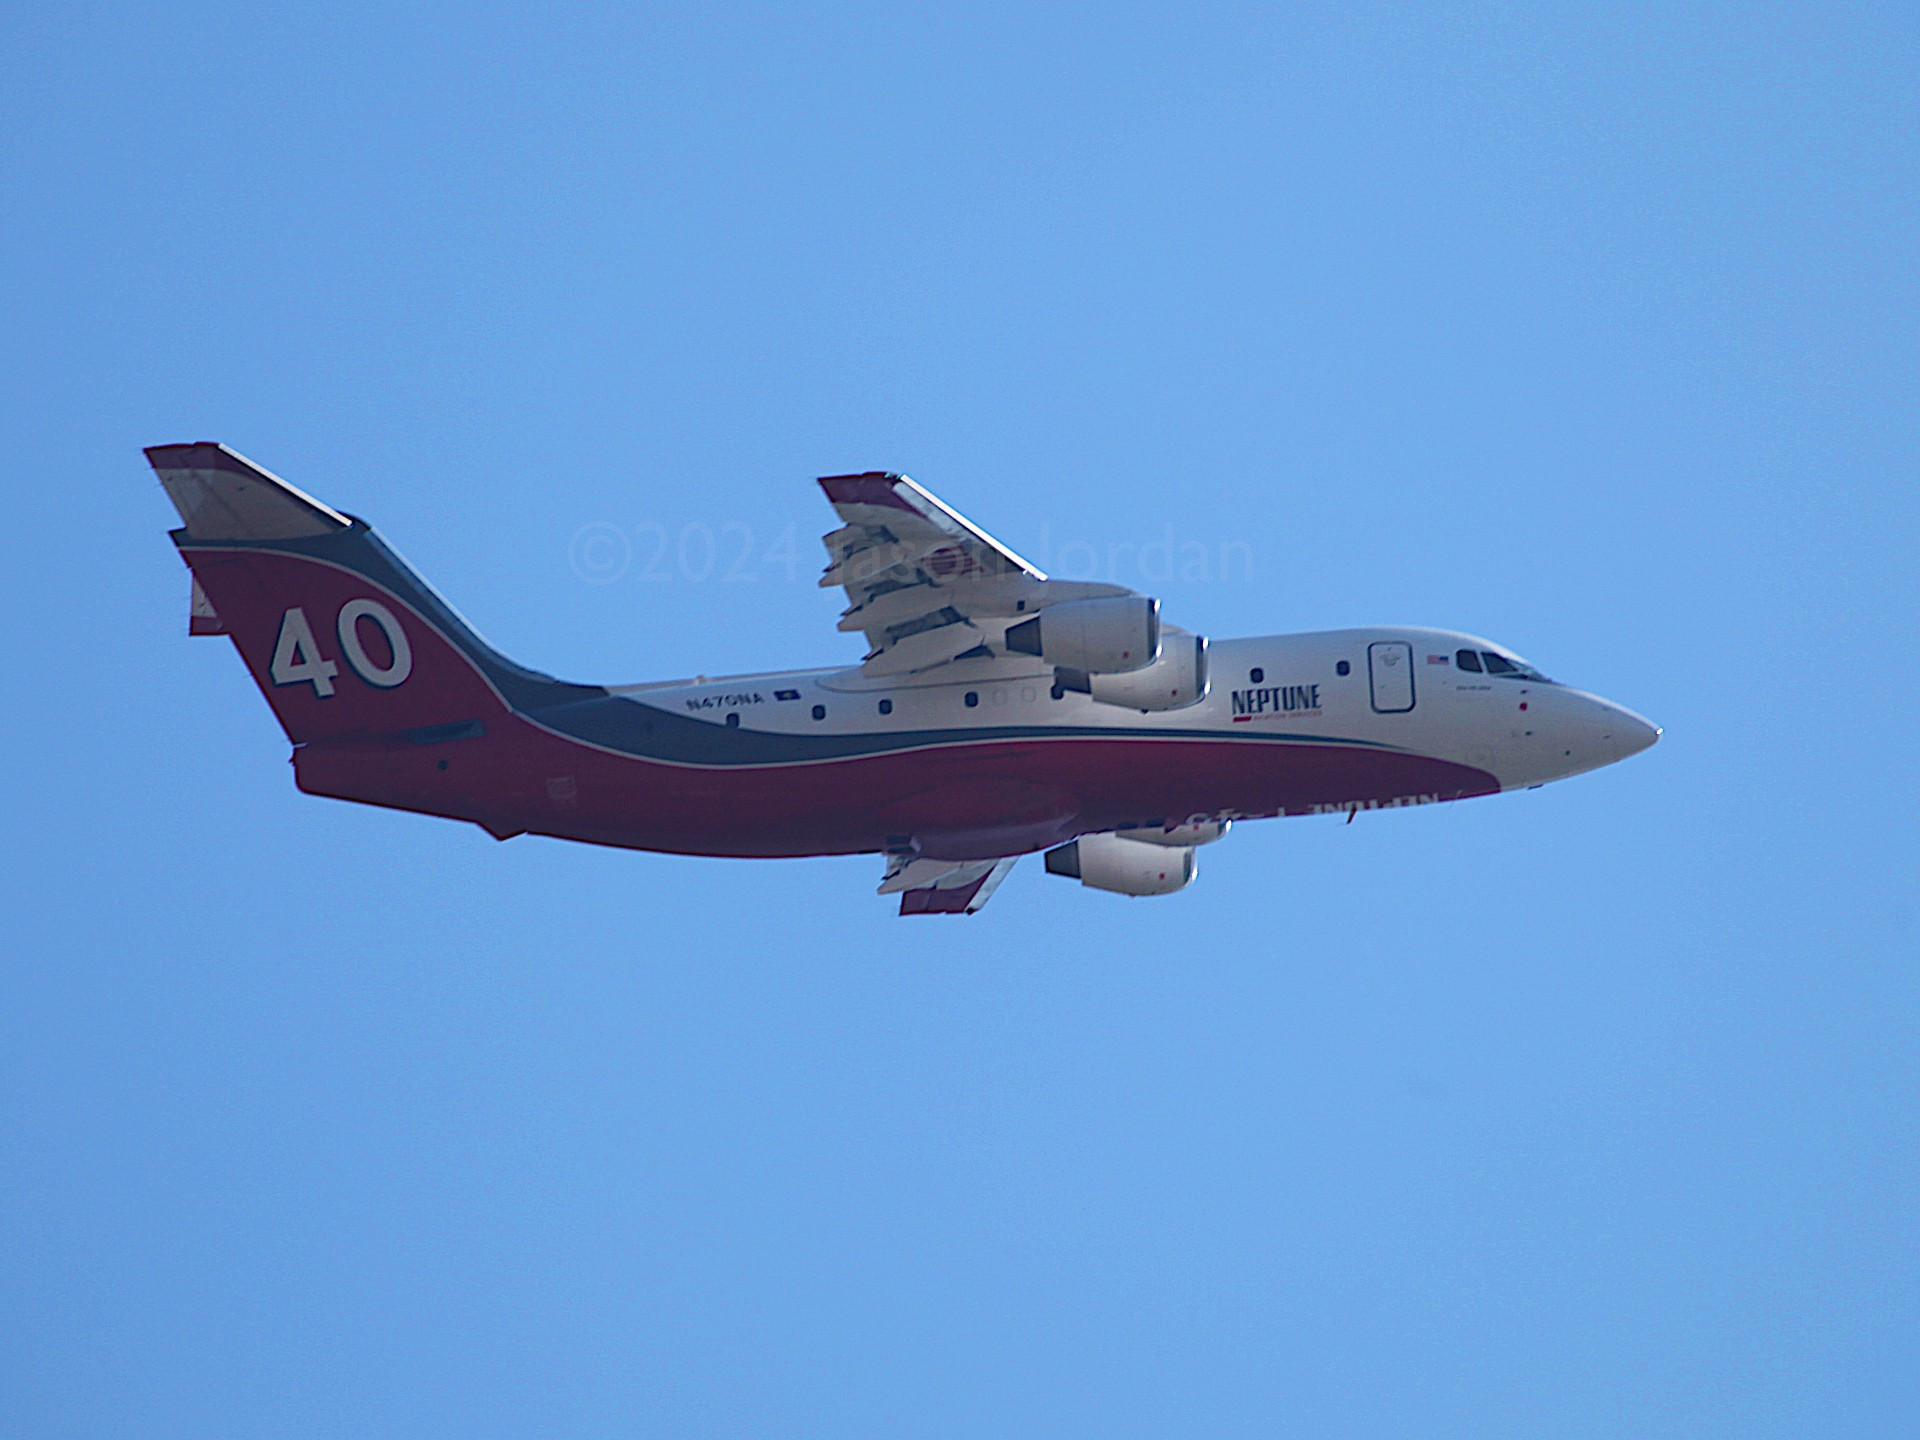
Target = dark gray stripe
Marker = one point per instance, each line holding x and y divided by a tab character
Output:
362	551
649	733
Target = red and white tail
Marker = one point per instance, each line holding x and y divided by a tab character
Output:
341	636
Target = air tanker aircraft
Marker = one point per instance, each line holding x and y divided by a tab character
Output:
996	712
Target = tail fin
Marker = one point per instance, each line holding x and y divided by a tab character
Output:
342	637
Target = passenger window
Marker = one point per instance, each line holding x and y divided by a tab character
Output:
819	712
972	698
886	707
1496	665
1256	675
1467	660
1343	668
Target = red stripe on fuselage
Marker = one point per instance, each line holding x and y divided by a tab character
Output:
521	777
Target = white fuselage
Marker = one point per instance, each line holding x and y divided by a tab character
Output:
1401	687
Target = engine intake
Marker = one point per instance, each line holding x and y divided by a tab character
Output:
1125	867
1111	636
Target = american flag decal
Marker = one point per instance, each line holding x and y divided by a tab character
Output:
1436	660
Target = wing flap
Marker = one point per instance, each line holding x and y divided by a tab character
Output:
923	649
863	565
944	887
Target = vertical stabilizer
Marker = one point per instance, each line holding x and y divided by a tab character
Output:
341	635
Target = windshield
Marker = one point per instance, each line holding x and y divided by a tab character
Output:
1507	666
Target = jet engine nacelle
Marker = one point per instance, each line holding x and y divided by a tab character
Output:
1201	832
1108	636
1177	679
1126	867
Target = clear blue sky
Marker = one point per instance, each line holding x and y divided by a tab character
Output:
1583	1112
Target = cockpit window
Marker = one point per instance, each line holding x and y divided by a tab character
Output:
1467	660
1512	669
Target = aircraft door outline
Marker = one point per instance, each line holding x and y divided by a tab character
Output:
1390	676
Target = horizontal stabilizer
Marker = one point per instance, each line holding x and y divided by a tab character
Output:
223	496
202	618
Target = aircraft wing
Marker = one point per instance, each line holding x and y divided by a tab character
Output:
943	887
923	583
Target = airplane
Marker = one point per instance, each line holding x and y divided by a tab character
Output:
997	712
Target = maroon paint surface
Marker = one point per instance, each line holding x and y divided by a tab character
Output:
960	801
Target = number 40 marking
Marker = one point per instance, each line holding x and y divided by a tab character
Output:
297	659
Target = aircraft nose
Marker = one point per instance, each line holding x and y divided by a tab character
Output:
1623	733
1640	733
